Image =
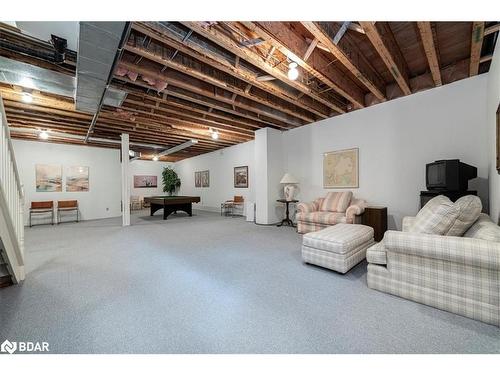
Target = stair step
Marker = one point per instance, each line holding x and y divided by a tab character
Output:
3	270
5	281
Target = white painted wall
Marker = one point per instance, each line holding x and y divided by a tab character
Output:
269	168
103	199
147	168
395	140
493	100
220	164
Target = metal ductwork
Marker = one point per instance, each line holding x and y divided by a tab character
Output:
97	54
17	73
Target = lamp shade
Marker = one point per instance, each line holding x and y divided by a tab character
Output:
289	179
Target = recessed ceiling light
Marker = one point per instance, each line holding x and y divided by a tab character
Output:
156	158
43	135
27	98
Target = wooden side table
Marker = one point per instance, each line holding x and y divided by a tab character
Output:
287	219
376	217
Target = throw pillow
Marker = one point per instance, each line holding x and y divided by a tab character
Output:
336	201
484	229
470	208
436	217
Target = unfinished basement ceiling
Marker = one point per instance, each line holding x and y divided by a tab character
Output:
179	81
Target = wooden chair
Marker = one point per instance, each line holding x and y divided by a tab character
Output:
67	206
41	208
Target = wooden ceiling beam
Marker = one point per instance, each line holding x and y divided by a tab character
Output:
235	123
492	29
182	111
207	101
293	45
310	49
428	40
349	56
475	47
281	114
208	57
383	41
203	76
154	138
210	98
250	56
168	121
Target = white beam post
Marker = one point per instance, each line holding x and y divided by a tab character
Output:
125	181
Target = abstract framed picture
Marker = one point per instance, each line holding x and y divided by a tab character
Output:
48	178
205	178
241	177
77	179
341	169
145	181
197	179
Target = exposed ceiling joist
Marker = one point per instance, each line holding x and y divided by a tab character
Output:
245	53
475	47
383	41
428	41
349	56
492	29
210	58
293	46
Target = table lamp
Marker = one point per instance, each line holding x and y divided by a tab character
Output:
290	187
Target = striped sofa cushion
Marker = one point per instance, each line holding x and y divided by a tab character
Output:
336	201
321	217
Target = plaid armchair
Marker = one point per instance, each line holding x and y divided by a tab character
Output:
456	274
336	207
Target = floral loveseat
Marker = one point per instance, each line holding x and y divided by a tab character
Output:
336	207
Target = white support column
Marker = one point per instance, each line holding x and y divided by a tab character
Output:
125	181
269	168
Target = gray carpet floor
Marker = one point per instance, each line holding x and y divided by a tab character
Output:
210	284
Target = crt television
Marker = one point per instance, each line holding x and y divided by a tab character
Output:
451	175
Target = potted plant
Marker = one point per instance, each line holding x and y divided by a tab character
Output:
171	181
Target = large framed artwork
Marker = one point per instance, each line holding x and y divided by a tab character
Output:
48	178
197	179
205	178
241	177
77	179
145	181
340	169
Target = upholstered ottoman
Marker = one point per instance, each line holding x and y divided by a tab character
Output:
339	247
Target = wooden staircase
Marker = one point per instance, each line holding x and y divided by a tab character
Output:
11	210
5	278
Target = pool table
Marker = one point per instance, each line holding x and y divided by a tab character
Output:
171	204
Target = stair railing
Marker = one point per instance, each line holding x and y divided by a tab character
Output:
11	203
